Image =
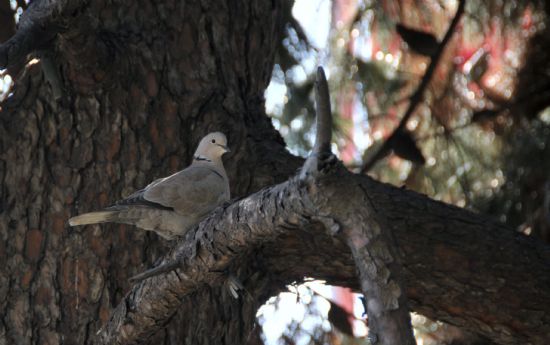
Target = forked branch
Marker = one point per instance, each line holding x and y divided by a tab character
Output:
202	252
365	216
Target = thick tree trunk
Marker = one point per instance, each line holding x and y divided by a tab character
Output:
141	82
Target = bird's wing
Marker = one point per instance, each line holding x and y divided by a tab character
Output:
193	191
138	199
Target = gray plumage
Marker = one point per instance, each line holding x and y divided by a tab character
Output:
172	205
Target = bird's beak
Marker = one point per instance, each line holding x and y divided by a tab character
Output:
225	148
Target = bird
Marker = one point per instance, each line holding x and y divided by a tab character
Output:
172	205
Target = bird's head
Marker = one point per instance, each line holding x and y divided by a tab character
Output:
212	147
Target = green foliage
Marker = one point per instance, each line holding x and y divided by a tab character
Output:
523	201
480	138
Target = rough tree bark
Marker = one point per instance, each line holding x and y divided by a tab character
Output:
141	82
459	267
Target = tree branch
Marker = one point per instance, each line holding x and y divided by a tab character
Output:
364	231
417	97
479	286
204	250
460	267
379	268
38	25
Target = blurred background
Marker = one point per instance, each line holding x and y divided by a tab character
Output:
477	137
458	112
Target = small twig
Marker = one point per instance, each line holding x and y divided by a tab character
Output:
155	271
417	97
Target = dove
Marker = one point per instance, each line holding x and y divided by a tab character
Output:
172	205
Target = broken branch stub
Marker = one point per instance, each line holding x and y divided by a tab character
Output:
321	155
365	231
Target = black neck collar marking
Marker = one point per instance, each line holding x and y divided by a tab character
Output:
201	158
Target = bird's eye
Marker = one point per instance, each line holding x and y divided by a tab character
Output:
213	141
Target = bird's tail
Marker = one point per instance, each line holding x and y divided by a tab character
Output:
94	218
